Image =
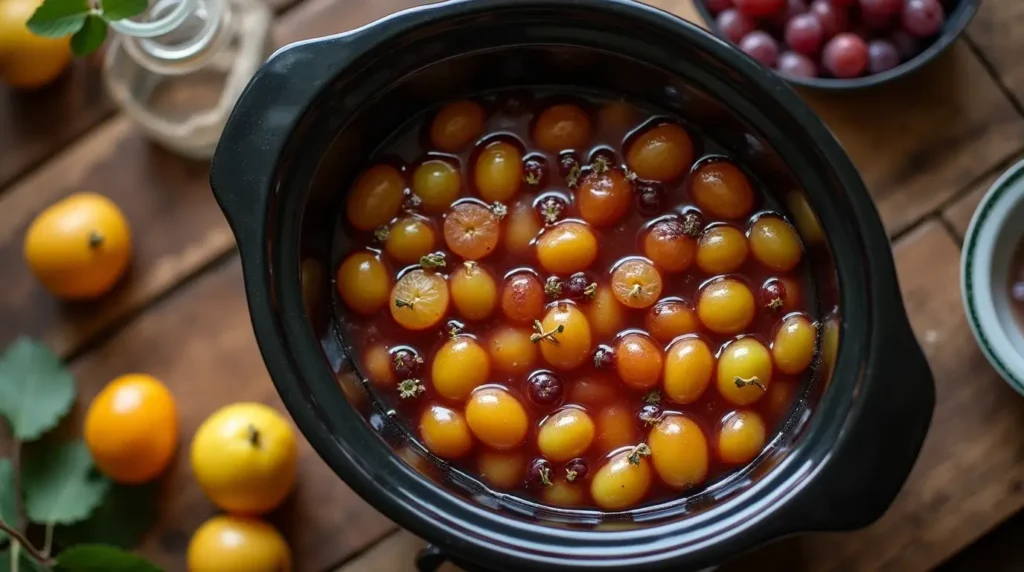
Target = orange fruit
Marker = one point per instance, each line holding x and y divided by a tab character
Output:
79	247
28	61
131	428
238	544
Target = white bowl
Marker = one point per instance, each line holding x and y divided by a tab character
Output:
996	231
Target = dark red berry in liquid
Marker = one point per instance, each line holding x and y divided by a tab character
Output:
604	357
538	473
761	46
773	295
923	18
602	160
796	65
733	25
534	171
576	470
566	163
845	55
650	198
552	209
882	56
406	363
545	388
576	286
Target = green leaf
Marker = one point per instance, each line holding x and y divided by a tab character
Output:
90	37
102	558
58	18
8	496
126	514
60	484
121	9
35	389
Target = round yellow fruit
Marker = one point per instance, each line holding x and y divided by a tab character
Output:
244	457
79	247
238	544
131	429
28	61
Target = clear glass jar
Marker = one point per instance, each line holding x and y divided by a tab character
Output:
178	73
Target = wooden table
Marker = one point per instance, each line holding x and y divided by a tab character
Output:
927	146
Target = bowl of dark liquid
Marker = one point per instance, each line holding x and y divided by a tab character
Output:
992	276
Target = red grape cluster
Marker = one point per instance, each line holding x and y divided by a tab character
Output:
830	38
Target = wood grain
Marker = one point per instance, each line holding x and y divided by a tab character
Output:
395	553
177	225
921	139
959	214
38	123
200	343
996	32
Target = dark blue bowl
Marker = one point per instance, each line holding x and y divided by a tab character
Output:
956	22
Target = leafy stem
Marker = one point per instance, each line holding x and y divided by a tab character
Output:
19	540
742	382
641	450
540	334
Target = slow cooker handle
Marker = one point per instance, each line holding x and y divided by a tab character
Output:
863	475
244	170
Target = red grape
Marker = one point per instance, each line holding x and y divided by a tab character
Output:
845	55
734	25
804	34
843	3
797	65
793	8
882	55
760	46
717	6
923	18
833	20
906	45
759	8
879	8
878	22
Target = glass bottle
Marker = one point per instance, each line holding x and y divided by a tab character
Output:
178	73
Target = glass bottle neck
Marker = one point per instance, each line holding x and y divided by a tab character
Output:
179	37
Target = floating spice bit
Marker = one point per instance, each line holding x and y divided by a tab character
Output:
652	397
499	210
552	209
553	287
542	335
744	382
400	303
641	450
650	415
412	204
381	234
434	260
604	358
410	388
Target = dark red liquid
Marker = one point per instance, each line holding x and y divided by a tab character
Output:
594	390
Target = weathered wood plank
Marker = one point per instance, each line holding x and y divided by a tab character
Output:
920	140
36	124
996	32
396	553
959	214
177	225
200	343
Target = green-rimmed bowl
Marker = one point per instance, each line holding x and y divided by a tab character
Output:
992	238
